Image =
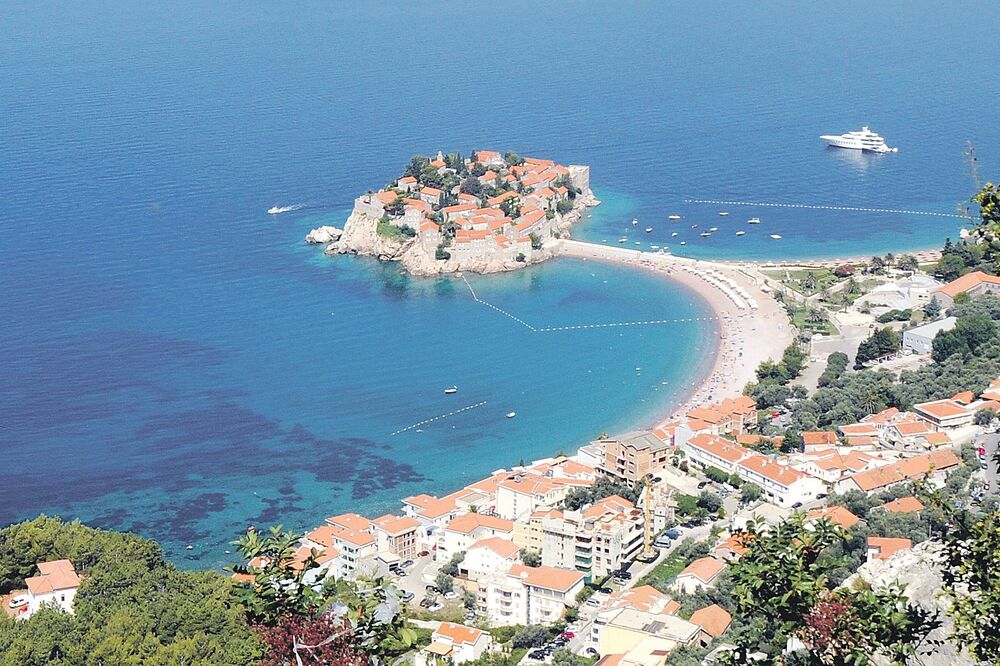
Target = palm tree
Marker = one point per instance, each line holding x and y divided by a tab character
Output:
809	281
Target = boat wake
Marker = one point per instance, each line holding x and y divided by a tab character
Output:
278	210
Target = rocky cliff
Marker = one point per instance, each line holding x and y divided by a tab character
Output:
918	570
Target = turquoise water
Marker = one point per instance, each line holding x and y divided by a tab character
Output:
177	362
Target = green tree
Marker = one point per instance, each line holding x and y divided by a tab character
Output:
716	474
444	582
750	492
531	558
933	308
471	185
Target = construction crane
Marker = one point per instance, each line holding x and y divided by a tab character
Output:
648	554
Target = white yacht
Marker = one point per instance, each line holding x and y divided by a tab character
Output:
673	217
862	140
649	229
740	233
776	236
753	220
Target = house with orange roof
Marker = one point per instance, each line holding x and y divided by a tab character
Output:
431	195
909	504
489	158
55	586
713	620
595	540
732	547
860	430
387	197
406	183
838	515
644	598
882	548
500	198
456	644
524	492
704	450
976	283
818	439
488	557
531	595
458	211
633	455
831	466
944	414
490	179
433	514
910	433
350	535
935	439
646	639
467	528
528	529
964	397
781	484
397	535
934	466
701	573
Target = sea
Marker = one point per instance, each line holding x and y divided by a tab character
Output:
177	362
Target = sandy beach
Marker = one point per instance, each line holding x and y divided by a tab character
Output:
747	335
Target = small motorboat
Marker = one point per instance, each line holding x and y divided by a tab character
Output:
649	230
450	390
753	220
776	236
673	217
723	213
622	240
634	221
654	247
684	242
694	226
706	234
740	233
638	243
510	415
673	234
714	229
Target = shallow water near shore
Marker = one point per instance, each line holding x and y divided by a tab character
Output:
177	362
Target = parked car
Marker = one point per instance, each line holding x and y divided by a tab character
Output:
423	553
591	652
624	574
797	505
592	602
406	564
568	634
18	601
702	484
406	597
451	595
538	655
426	603
432	588
662	542
673	533
435	607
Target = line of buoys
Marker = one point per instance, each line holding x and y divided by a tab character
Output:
859	209
579	327
438	418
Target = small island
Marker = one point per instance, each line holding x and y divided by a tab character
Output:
487	214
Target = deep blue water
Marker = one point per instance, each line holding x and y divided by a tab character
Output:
177	362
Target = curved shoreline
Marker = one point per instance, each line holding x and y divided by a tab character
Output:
736	359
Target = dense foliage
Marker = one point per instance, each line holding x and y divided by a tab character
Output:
580	497
772	385
132	607
782	583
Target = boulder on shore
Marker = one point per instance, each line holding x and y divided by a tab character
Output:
323	235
